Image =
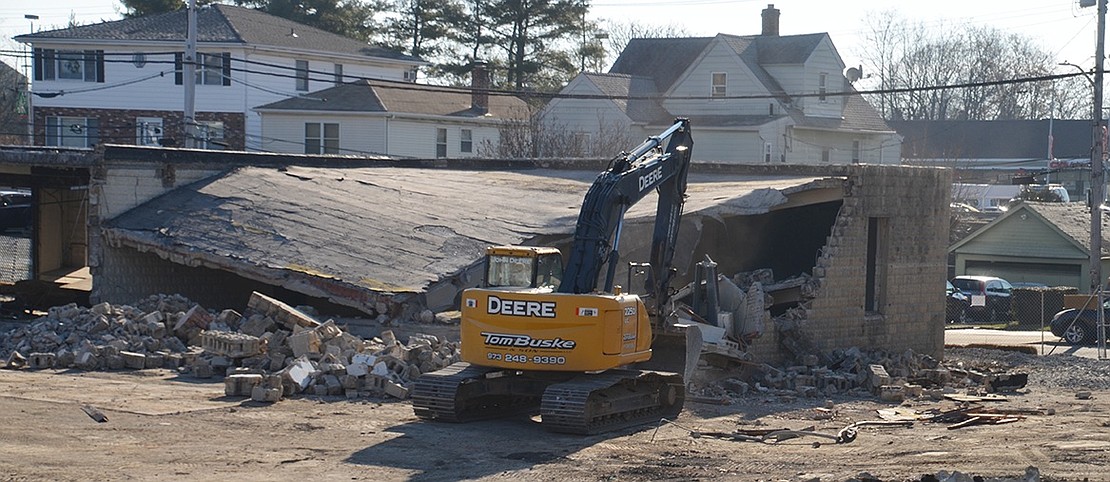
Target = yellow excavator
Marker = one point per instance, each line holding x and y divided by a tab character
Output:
539	333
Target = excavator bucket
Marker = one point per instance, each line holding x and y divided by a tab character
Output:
676	351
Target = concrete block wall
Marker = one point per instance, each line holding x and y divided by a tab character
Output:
121	186
912	205
125	275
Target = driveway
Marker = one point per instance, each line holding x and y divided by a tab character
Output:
1045	343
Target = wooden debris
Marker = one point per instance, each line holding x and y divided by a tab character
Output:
94	414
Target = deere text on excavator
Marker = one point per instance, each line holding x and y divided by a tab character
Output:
541	334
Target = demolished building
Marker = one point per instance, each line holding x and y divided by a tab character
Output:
854	250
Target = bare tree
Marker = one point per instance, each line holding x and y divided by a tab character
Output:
619	33
905	55
532	137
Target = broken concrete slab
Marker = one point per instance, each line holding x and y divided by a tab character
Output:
282	313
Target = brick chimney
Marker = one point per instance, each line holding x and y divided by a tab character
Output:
770	21
479	86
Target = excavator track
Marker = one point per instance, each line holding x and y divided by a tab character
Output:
611	400
463	393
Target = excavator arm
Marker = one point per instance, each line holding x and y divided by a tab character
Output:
628	180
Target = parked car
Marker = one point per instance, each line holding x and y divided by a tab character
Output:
995	292
1078	326
15	209
956	305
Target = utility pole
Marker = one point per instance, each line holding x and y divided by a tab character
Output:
1098	179
189	79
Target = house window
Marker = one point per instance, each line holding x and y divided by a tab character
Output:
321	138
338	74
466	141
768	150
822	86
874	293
855	152
825	155
74	65
720	79
211	69
441	142
410	75
148	131
210	135
302	75
72	131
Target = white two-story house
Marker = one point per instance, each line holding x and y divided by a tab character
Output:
122	82
750	99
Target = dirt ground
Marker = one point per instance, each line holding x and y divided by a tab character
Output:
166	426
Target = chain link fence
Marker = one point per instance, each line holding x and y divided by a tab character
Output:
1051	320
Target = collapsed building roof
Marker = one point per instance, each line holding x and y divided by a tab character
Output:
397	230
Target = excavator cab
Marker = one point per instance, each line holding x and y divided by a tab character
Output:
520	267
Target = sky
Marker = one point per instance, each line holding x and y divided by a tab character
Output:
1058	26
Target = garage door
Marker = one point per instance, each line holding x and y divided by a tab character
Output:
1049	274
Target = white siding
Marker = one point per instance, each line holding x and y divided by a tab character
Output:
417	137
698	81
823	60
357	134
378	134
730	147
583	115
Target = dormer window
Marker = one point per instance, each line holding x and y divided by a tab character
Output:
718	88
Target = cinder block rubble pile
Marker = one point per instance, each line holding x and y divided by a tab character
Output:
891	377
271	351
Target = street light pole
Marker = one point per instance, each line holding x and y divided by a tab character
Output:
30	73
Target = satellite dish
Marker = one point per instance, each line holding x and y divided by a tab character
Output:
853	73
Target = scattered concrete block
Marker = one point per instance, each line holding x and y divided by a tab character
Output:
229	317
396	390
262	394
153	360
241	384
299	374
115	362
202	370
878	376
304	343
914	391
335	387
327	330
40	361
257	325
358	369
64	358
86	360
892	393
